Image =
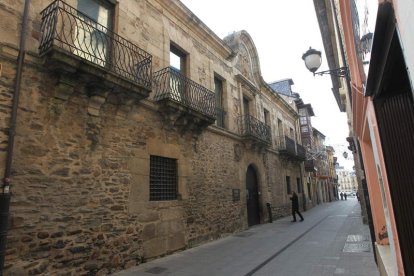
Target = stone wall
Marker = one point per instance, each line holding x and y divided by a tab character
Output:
77	201
80	195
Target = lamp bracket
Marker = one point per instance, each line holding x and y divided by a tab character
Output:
339	72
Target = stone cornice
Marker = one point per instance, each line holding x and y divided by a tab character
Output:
252	87
181	12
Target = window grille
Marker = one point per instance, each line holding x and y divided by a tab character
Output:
163	178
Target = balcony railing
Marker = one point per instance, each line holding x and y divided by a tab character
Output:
171	85
252	128
73	32
301	152
286	145
310	166
289	147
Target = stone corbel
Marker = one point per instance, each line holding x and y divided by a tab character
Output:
97	97
65	85
125	107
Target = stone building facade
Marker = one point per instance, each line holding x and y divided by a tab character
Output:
120	157
347	180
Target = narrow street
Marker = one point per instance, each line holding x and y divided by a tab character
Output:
331	241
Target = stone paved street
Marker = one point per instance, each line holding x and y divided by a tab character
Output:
331	241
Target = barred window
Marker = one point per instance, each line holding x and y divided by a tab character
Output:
163	178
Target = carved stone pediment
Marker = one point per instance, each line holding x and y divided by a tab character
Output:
245	59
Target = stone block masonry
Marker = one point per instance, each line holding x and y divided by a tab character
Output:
81	165
71	206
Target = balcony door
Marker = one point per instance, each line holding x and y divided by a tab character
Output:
218	89
178	72
246	107
91	37
252	197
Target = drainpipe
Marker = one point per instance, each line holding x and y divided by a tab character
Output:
5	192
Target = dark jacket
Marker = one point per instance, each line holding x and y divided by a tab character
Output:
295	202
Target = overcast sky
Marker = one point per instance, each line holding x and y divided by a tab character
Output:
282	31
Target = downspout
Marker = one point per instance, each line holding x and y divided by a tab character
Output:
341	47
5	193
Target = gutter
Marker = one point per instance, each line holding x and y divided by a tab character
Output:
5	192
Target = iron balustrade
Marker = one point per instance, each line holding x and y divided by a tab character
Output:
74	32
310	166
301	152
170	84
250	126
287	145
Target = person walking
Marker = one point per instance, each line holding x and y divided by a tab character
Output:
295	207
342	195
345	195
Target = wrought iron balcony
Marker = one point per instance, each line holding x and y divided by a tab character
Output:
253	129
183	99
286	146
71	38
300	152
289	148
310	165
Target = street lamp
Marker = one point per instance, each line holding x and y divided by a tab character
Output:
313	60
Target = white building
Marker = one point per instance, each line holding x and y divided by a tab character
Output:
347	180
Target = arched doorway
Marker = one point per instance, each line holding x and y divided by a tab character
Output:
252	197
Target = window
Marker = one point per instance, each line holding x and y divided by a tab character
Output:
303	120
288	188
279	127
163	178
291	133
304	129
178	66
178	59
246	106
91	31
298	185
266	117
218	89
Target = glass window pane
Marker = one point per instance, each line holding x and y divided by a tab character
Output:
175	61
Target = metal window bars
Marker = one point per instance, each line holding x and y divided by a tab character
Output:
163	178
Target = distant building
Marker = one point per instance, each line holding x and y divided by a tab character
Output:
347	180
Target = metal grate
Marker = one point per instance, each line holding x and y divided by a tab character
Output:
163	178
356	238
357	247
